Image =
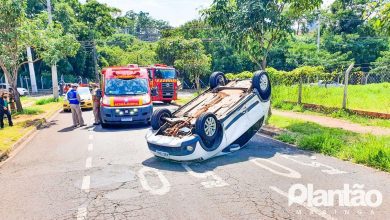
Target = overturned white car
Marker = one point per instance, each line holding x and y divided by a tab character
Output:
227	115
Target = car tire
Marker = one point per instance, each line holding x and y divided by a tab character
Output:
207	127
104	125
262	84
157	118
217	79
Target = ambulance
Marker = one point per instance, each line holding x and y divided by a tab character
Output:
126	96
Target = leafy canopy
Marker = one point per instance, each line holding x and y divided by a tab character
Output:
255	25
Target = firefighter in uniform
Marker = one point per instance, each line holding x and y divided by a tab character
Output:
96	96
74	102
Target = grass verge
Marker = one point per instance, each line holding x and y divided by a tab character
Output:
342	114
45	101
25	122
371	97
365	149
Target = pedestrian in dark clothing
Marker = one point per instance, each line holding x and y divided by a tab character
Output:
4	111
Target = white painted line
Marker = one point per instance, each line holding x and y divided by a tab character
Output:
164	189
90	137
88	163
82	213
90	147
290	172
330	170
315	210
217	182
86	183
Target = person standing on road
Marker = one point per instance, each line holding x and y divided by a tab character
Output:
96	96
4	110
74	102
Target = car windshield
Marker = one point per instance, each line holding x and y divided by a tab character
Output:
120	87
83	91
165	74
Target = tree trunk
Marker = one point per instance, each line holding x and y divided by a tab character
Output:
19	107
300	90
197	83
264	63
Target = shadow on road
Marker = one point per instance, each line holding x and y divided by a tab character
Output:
47	124
258	147
113	128
68	129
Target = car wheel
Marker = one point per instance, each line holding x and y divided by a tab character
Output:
262	84
104	125
217	79
157	118
207	126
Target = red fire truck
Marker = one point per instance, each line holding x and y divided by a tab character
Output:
164	79
126	96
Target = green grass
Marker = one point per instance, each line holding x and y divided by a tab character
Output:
45	101
365	149
371	97
29	111
342	114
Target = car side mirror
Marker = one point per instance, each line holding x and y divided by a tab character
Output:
154	91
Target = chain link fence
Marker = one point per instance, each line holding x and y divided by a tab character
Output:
352	89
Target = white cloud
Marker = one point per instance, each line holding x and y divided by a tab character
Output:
176	12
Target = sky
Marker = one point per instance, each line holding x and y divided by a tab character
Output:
176	12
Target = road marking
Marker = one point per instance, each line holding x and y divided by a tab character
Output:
315	210
330	170
164	189
290	172
217	182
90	147
86	183
90	137
82	213
88	163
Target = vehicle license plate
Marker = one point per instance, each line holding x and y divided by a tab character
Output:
126	119
162	154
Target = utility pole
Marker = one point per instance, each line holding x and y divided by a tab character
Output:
54	66
95	62
318	32
34	88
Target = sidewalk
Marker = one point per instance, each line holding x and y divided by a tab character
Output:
334	123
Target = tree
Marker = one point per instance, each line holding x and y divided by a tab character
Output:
168	50
382	67
193	60
17	32
255	25
382	21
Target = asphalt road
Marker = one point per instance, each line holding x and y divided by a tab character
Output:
95	173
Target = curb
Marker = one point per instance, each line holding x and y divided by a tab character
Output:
270	131
175	104
48	117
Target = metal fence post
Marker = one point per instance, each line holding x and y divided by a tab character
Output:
300	90
346	79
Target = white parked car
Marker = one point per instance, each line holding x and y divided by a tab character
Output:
21	91
224	117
